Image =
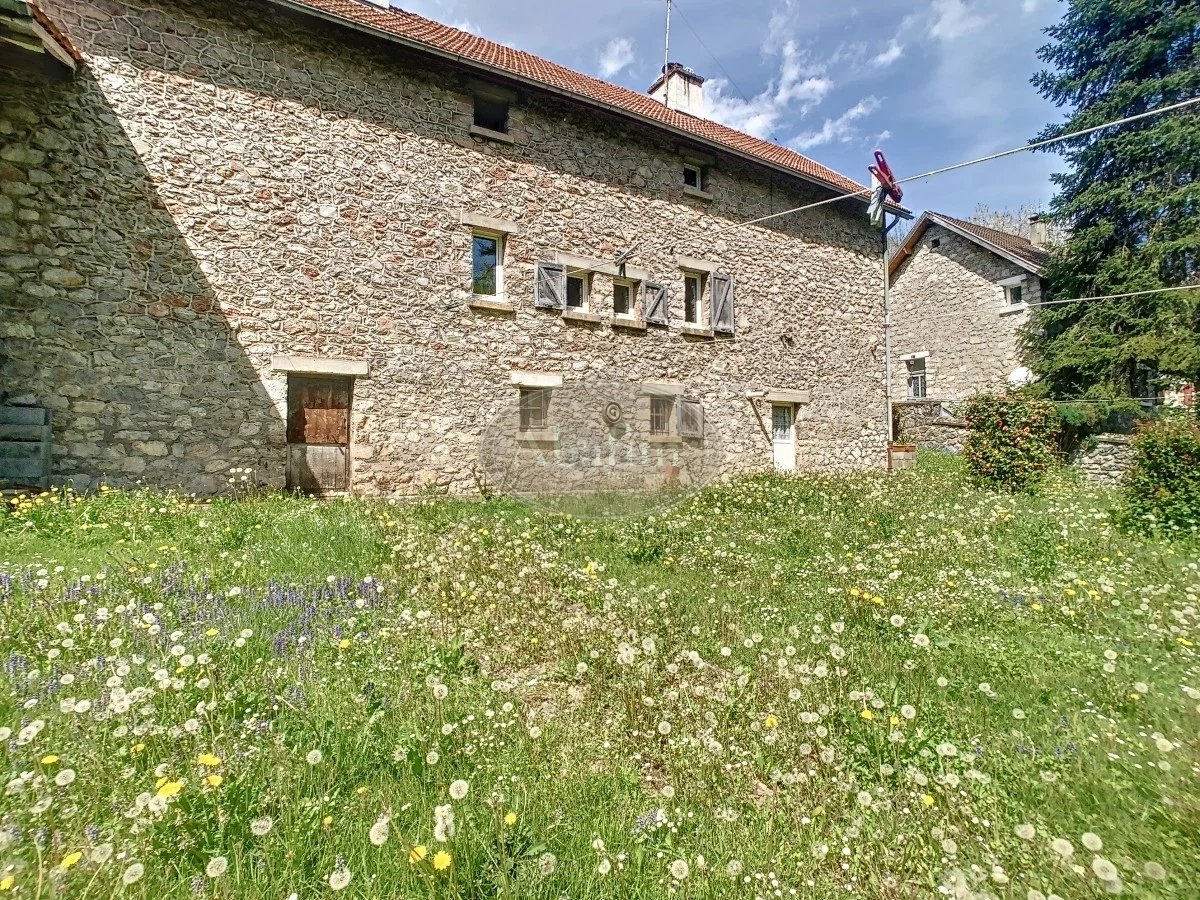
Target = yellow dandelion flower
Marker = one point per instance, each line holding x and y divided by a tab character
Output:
771	721
867	714
855	592
214	781
70	859
49	759
169	788
212	632
894	721
344	643
208	759
927	800
510	818
138	748
1134	695
441	860
327	821
7	882
417	853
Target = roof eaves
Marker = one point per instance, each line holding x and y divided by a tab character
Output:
504	73
989	245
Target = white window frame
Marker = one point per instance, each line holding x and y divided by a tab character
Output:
700	278
913	375
632	286
499	237
699	170
585	279
1009	285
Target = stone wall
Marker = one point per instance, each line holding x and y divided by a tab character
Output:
929	425
946	302
219	186
1104	459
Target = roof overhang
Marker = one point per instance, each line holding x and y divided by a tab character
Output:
504	74
30	43
927	219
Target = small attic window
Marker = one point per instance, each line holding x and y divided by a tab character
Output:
693	177
491	113
935	243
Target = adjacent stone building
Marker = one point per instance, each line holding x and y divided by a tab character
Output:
960	293
347	248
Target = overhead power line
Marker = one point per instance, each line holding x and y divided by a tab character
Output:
1181	287
863	192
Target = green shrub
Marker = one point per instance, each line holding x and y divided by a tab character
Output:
1162	490
1012	440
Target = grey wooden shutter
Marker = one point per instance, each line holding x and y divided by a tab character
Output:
656	303
550	288
722	303
691	418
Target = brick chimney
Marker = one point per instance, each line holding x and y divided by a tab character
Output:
1039	231
680	89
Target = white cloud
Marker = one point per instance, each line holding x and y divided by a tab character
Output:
1028	6
953	19
840	129
797	84
615	57
888	56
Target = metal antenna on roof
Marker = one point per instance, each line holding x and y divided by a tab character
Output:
667	58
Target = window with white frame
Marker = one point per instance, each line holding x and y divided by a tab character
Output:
1014	290
693	176
693	298
916	378
662	410
487	264
623	299
577	290
534	406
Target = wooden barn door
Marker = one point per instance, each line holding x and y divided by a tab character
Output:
318	433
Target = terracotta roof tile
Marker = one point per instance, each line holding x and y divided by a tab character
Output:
1014	244
445	39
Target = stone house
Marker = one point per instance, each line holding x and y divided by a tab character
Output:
960	293
348	248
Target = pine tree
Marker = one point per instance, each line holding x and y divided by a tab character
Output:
1130	200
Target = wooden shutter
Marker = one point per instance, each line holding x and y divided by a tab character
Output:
722	303
550	289
691	418
655	303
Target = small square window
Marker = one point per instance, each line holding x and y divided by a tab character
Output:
693	298
1014	295
577	291
661	409
623	294
534	408
491	113
487	265
916	378
935	243
693	177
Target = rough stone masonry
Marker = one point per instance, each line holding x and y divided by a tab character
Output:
946	301
223	185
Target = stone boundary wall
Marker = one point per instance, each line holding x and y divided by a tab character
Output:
1104	459
927	424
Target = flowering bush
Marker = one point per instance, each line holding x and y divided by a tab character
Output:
1162	490
1012	440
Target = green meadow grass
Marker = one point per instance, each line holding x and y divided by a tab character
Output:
816	686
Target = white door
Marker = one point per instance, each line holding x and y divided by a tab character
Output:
783	436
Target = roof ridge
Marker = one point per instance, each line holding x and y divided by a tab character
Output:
1008	234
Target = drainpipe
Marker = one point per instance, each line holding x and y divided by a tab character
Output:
887	325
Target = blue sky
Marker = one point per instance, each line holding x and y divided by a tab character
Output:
931	82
